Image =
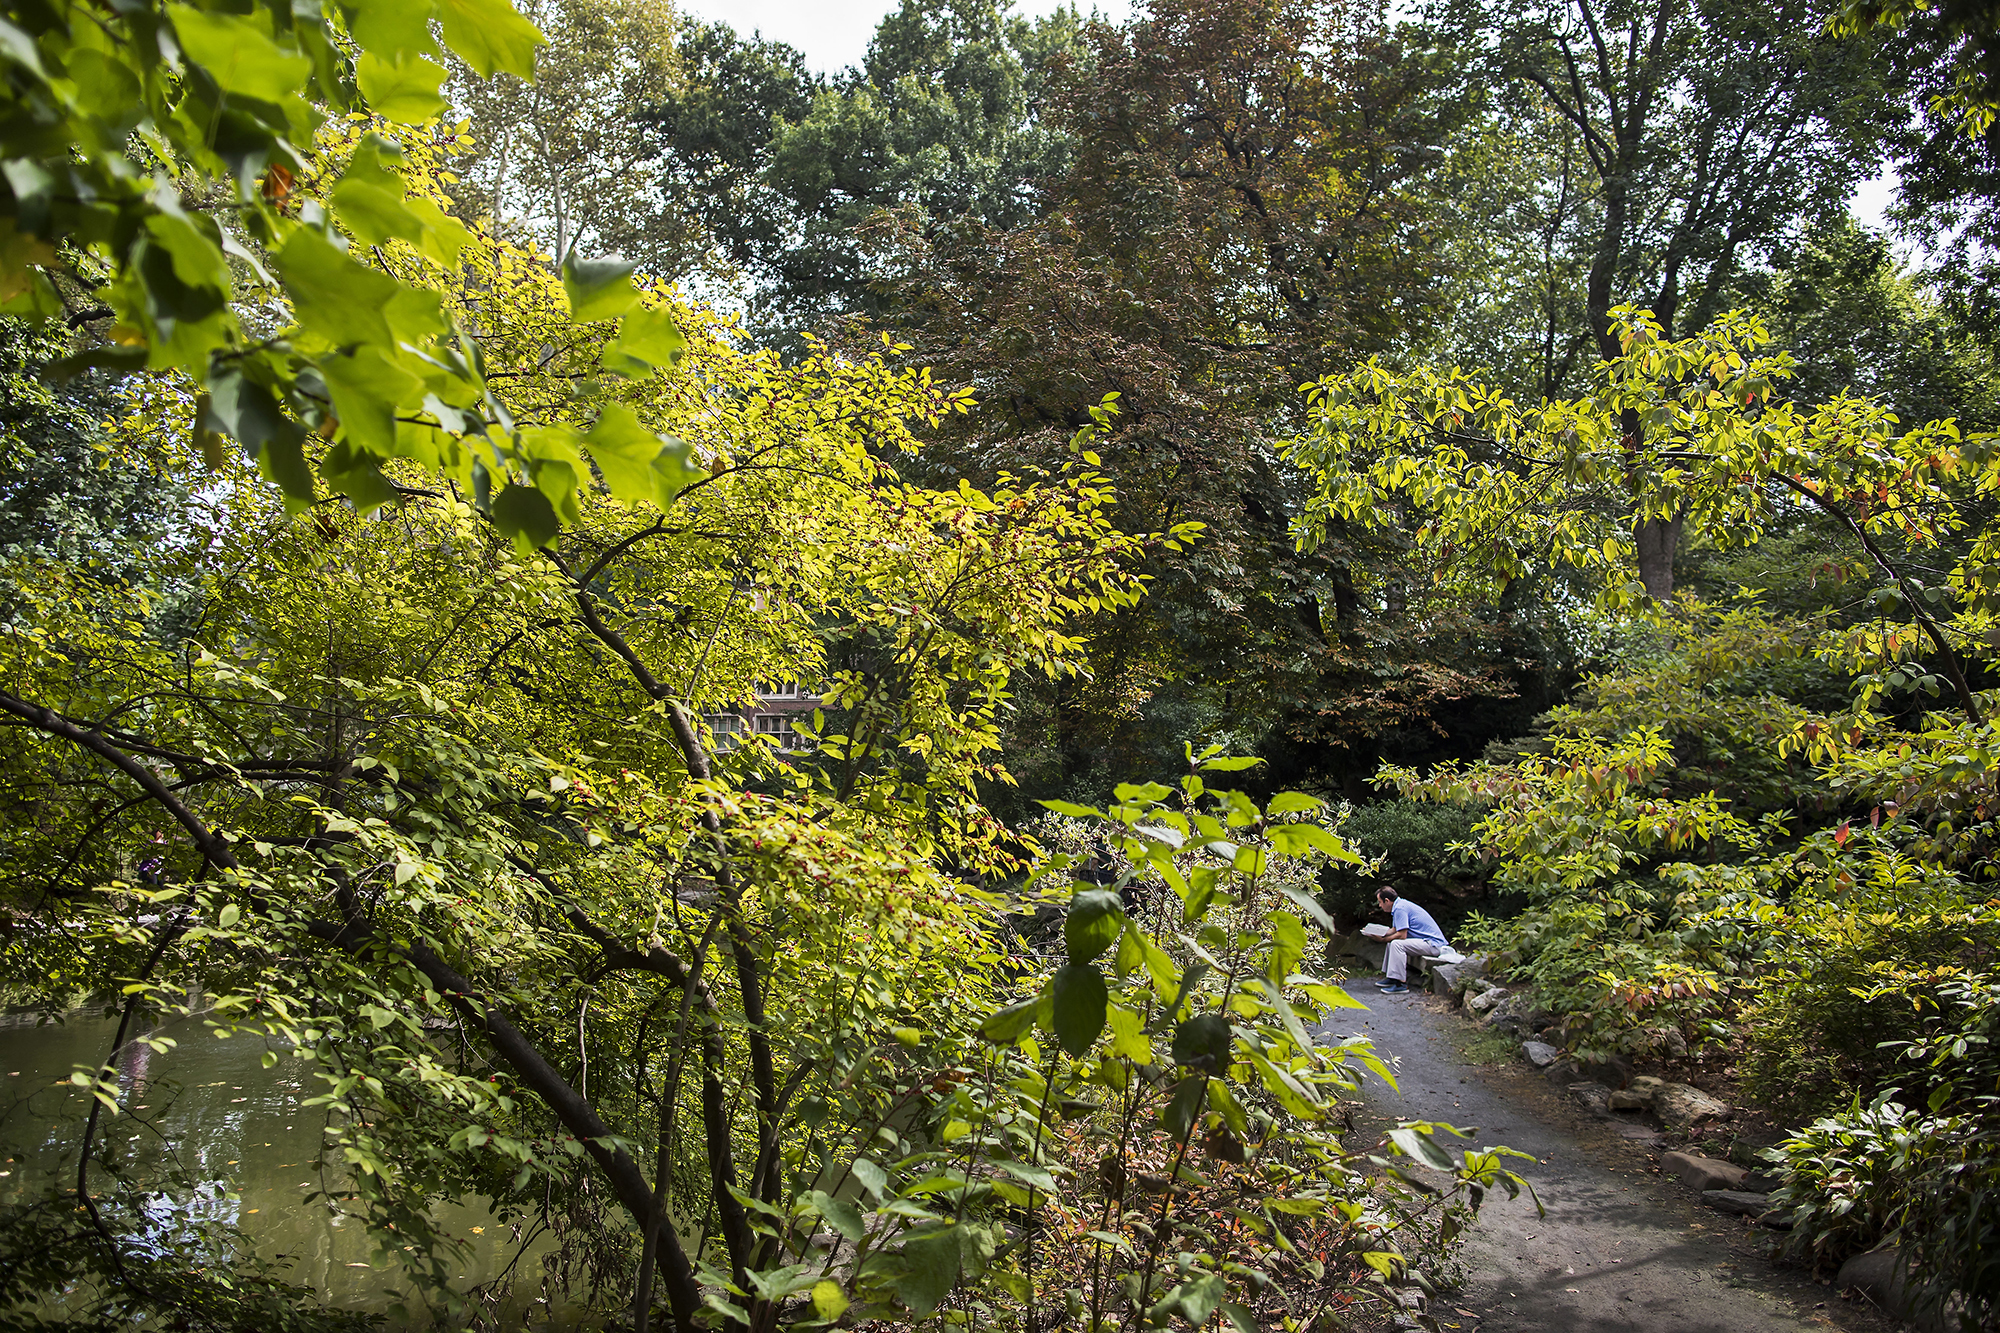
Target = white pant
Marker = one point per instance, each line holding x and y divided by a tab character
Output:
1396	960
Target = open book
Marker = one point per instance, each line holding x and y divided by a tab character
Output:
1374	931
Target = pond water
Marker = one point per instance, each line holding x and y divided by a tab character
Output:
213	1106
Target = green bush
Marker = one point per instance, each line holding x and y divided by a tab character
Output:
1410	843
1924	1180
1825	1033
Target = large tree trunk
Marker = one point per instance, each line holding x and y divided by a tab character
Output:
1658	539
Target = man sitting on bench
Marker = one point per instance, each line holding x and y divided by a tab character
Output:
1414	935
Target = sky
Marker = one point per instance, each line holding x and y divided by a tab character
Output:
834	33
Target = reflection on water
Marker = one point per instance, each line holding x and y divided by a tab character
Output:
210	1108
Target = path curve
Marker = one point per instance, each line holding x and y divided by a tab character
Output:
1622	1248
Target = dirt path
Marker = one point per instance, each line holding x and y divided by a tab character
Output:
1622	1249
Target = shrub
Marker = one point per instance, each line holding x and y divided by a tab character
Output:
1923	1180
1838	1001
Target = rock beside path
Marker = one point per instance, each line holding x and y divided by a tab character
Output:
1883	1276
1517	1015
1593	1097
1486	1000
1681	1107
1540	1054
1613	1072
1702	1173
1638	1094
1741	1202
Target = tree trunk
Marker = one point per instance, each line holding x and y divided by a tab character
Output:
1658	539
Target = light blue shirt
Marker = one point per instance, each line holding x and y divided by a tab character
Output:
1408	916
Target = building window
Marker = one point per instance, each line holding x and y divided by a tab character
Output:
727	728
778	726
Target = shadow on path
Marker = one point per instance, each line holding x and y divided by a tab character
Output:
1622	1248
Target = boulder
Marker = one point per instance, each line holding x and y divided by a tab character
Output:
1883	1276
1445	979
1517	1015
1737	1201
1371	954
1681	1107
1701	1173
1638	1094
1540	1054
1486	1000
1593	1097
1615	1070
1761	1182
1474	968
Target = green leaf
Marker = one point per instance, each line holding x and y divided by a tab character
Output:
1201	893
332	296
829	1301
403	89
872	1177
376	214
1189	979
1308	904
1199	1297
1203	1043
1073	810
842	1216
1184	1107
444	235
1293	1028
1293	1095
931	1268
648	340
357	476
1288	944
239	54
240	407
1240	1318
778	1283
1080	1001
1333	997
1229	765
1131	953
491	37
1010	1024
1297	839
525	514
366	388
1291	802
1417	1144
1095	918
598	288
391	28
1224	1103
637	464
1128	1035
228	916
1029	1172
197	256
